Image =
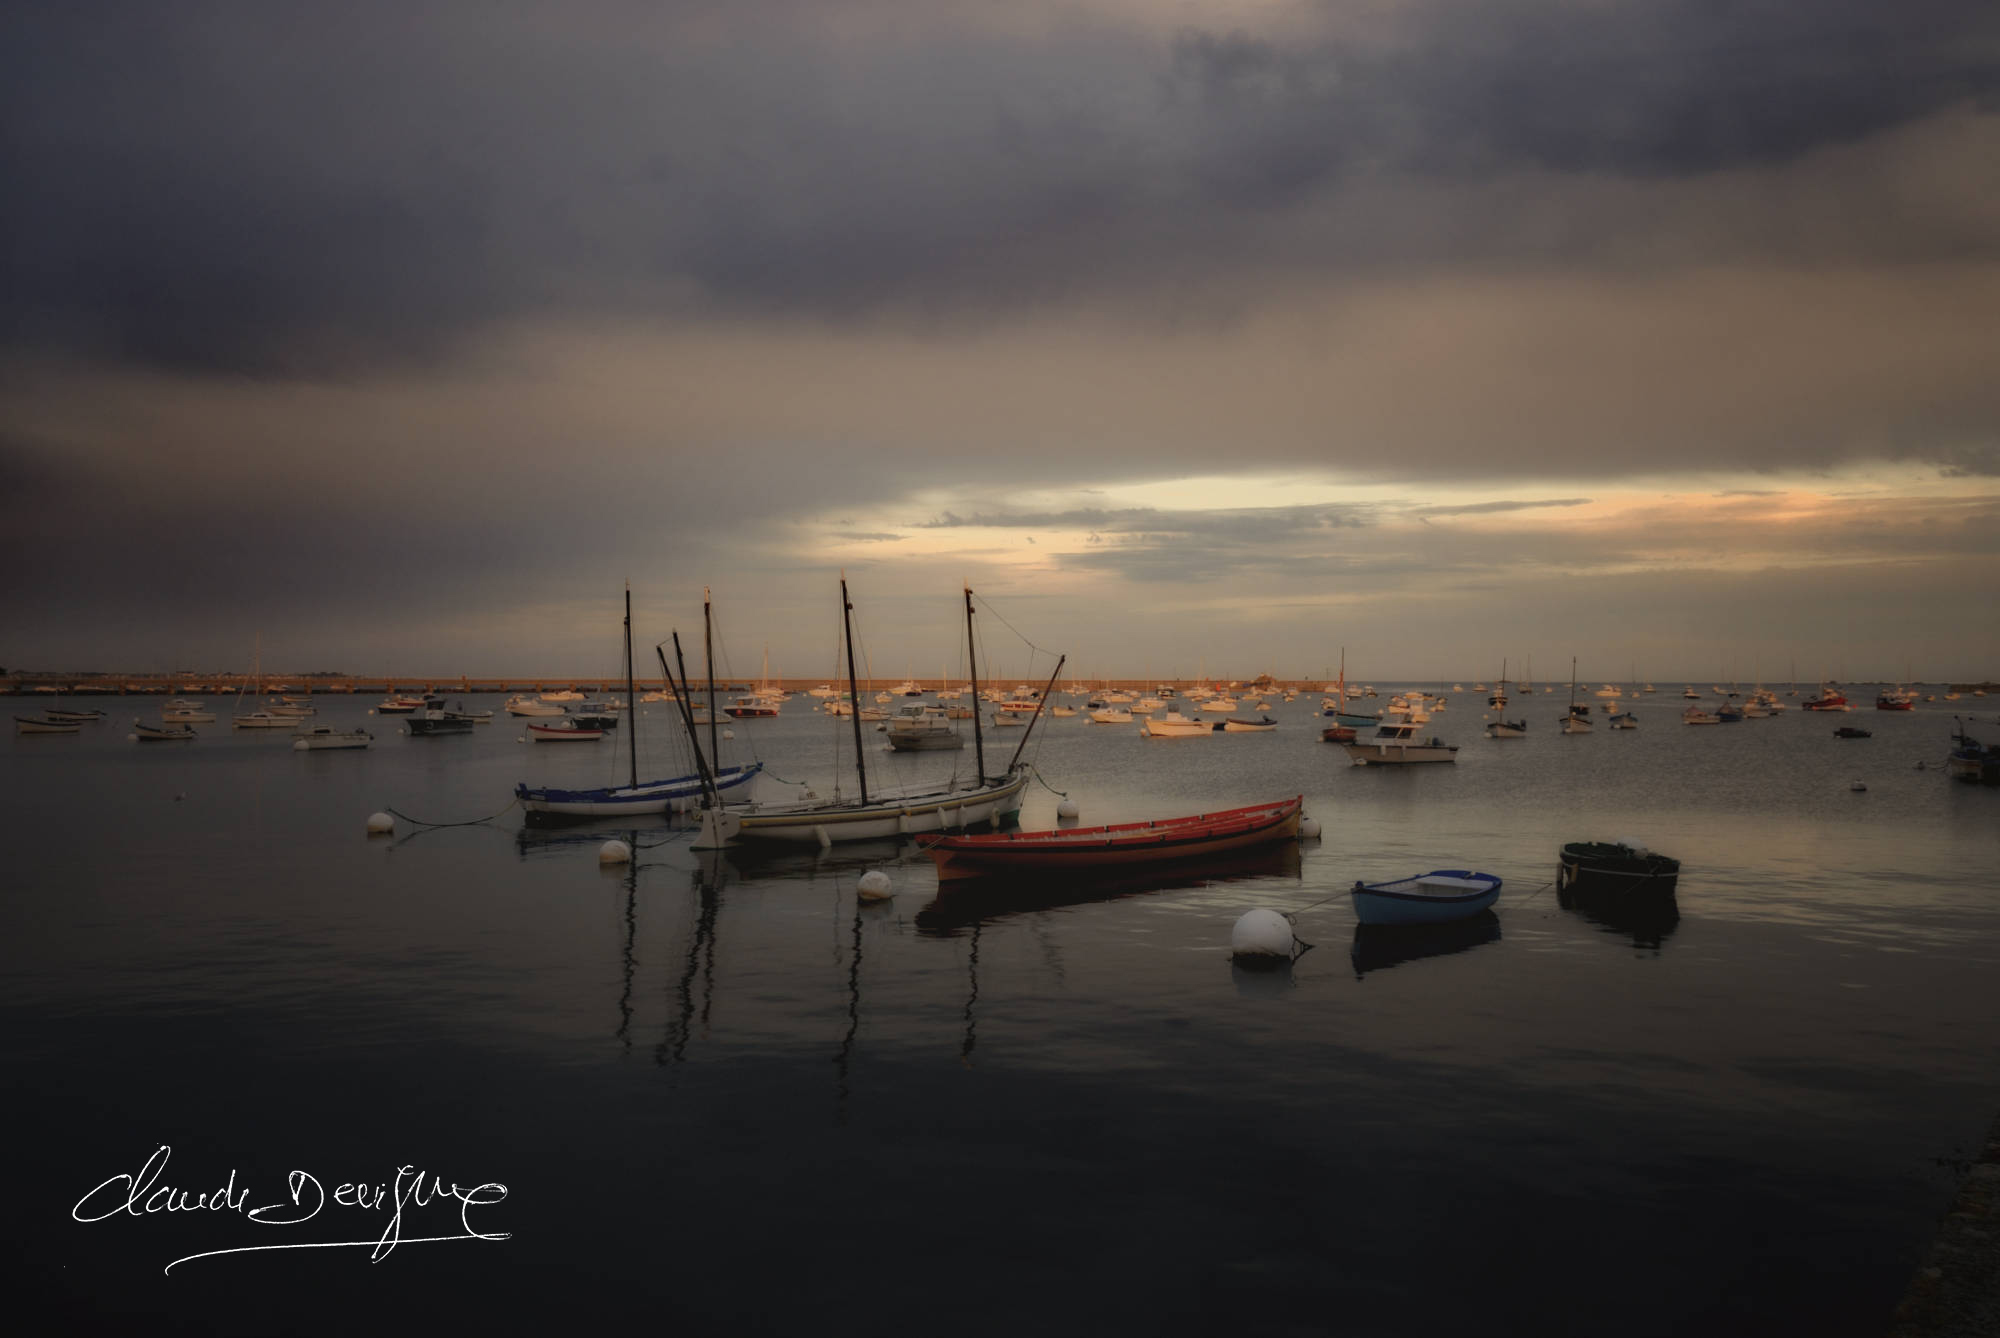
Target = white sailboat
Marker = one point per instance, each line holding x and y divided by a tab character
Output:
872	817
1575	722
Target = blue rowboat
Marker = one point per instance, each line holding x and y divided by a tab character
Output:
1426	899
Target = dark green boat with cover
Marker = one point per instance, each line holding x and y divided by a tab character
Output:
1615	867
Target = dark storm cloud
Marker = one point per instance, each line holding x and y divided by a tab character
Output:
262	189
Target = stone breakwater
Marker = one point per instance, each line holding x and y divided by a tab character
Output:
1956	1293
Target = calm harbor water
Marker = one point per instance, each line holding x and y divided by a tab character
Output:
723	1095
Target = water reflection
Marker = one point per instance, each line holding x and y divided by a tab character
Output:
1647	919
1379	947
1261	981
699	964
864	913
974	901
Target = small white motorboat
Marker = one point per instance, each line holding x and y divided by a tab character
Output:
1397	743
1174	725
262	720
1428	898
530	706
146	733
34	724
1236	724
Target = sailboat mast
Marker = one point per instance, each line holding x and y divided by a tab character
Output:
972	670
711	797
1039	703
847	631
708	669
631	706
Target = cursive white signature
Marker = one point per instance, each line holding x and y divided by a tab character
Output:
142	1194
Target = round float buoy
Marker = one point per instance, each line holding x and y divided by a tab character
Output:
380	824
520	738
728	733
873	886
614	852
1263	934
371	710
1308	829
299	745
1068	808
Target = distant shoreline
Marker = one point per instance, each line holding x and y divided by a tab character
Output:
115	684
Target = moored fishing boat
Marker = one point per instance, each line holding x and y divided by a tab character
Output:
74	717
1694	715
1173	725
35	724
1972	761
1236	724
1830	698
1507	729
435	720
1118	847
146	733
1397	743
918	728
530	706
1852	732
1428	898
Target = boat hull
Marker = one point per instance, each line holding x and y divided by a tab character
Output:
1433	898
556	734
903	816
1399	754
1124	847
1603	867
926	741
679	795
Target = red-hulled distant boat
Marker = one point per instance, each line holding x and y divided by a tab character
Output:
563	733
1829	699
1128	845
1895	699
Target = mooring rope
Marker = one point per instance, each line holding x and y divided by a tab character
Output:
474	822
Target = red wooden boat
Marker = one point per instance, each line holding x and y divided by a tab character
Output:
1126	845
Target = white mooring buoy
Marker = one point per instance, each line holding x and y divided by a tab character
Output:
380	824
1068	808
728	733
1308	829
614	852
1262	934
873	886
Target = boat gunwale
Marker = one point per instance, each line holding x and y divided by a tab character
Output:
1173	831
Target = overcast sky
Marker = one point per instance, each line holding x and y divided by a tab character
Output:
1196	337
